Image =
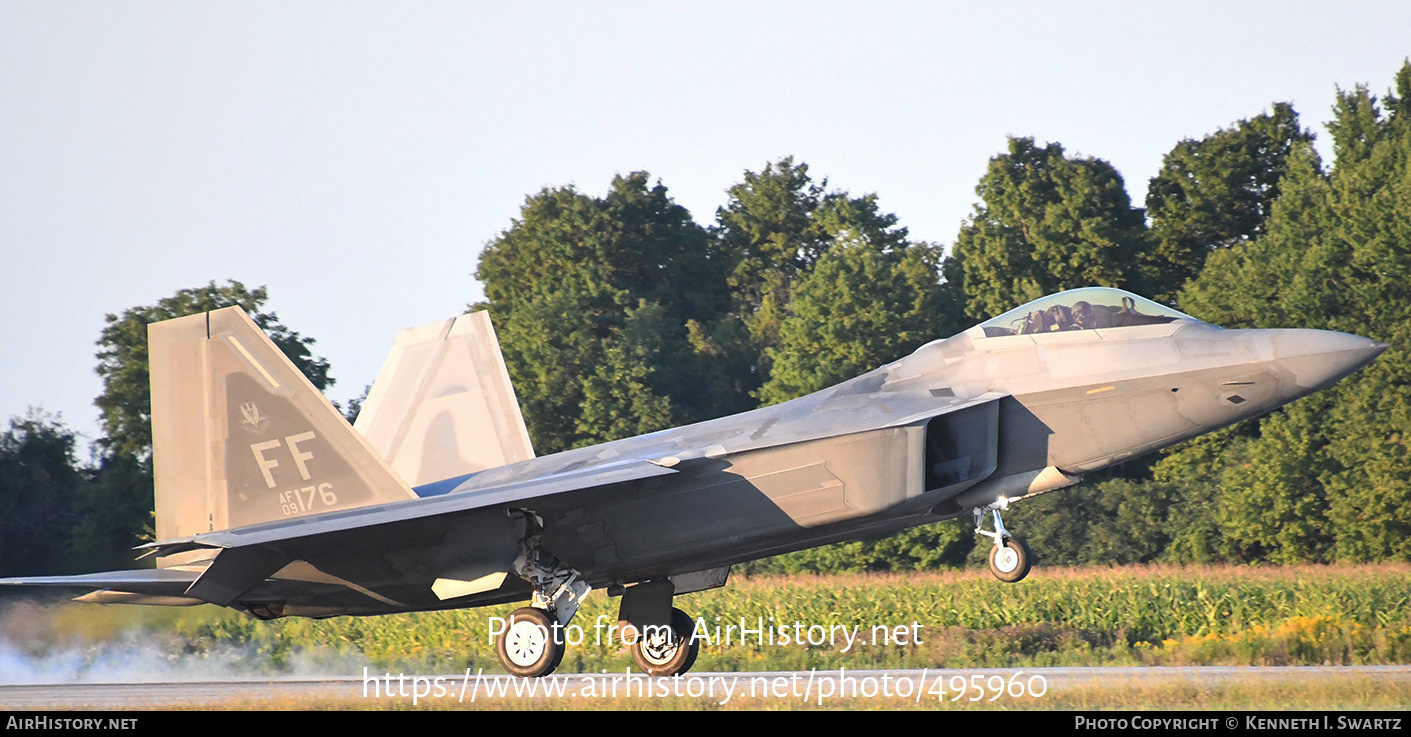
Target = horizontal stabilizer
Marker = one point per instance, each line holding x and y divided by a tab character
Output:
234	572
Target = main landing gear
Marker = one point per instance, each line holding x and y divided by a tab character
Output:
1009	557
667	651
528	648
661	638
532	644
533	641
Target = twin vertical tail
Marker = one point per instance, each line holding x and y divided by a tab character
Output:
240	436
443	405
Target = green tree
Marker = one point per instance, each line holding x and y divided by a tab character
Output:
1243	286
113	514
1047	222
858	308
775	226
619	397
1195	470
40	485
1357	125
1278	509
606	309
1369	252
125	405
1214	193
1335	256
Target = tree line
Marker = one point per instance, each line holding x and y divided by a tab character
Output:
621	314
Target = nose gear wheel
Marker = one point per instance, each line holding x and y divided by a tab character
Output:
1010	560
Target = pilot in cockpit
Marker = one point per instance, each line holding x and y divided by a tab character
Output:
1060	318
1052	314
1088	317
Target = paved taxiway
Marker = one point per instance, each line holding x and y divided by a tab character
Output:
92	695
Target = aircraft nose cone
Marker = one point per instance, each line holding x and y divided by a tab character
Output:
1319	358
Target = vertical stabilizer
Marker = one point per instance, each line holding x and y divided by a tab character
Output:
443	405
240	436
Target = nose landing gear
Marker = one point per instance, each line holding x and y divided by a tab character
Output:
1009	558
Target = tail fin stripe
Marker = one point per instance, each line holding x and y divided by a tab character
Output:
253	363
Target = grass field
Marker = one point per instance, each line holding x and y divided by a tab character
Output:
1121	616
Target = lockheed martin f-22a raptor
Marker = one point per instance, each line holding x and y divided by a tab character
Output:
269	502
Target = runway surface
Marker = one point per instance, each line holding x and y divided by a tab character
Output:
804	686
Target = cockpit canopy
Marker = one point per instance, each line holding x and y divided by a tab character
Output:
1091	308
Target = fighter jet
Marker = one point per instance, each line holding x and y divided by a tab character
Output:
269	502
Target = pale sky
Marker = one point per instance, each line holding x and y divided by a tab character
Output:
355	157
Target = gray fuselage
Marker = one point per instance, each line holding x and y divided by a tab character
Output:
956	425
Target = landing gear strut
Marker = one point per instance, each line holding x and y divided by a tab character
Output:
1009	557
662	638
532	644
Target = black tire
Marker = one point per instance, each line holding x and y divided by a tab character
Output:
528	648
685	621
1012	563
657	658
558	659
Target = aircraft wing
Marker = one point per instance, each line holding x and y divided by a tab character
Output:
460	537
365	518
248	556
154	581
